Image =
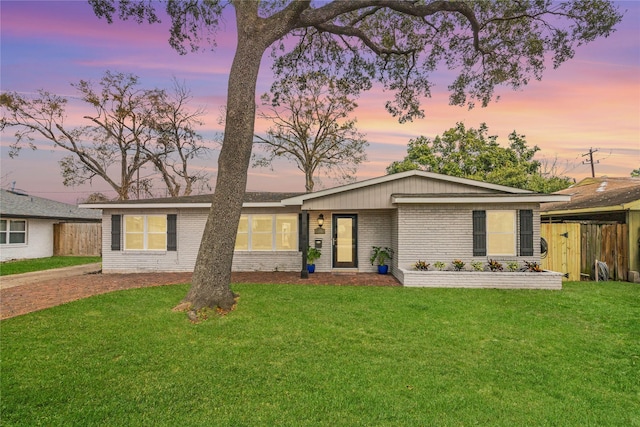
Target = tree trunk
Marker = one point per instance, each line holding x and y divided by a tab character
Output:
212	273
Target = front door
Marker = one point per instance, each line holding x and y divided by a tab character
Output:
345	241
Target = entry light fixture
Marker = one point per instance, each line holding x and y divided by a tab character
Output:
320	220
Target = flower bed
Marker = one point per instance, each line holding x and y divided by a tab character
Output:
480	279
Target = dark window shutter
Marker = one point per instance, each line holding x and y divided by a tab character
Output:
479	233
526	233
116	226
172	233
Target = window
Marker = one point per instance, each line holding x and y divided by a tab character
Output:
145	232
13	231
501	233
263	232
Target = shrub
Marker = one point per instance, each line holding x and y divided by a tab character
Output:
457	264
477	266
533	266
512	265
494	265
439	265
422	265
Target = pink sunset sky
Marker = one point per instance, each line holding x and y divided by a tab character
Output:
592	101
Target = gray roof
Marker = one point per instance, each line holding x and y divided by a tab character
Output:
21	205
249	197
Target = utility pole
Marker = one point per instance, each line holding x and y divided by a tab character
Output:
590	161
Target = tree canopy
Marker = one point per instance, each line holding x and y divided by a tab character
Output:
473	153
400	44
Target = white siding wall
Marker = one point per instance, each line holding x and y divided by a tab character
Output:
374	229
443	233
39	242
190	226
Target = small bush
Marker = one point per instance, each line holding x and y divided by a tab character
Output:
533	266
457	264
494	265
439	265
512	265
422	265
477	266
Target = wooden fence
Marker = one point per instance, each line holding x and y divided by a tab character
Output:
573	248
80	239
563	249
608	243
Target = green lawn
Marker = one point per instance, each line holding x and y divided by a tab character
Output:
39	264
330	356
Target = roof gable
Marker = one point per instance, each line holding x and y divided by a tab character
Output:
449	184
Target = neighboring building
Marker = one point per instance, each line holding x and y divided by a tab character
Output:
421	215
601	203
27	222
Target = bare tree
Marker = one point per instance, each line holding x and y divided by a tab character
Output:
130	130
399	43
311	127
177	142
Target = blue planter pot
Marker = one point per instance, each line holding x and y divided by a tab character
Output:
311	268
383	269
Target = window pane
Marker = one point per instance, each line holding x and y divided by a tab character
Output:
501	221
286	232
157	242
3	225
3	238
501	244
344	241
18	225
242	242
261	242
262	224
134	224
243	225
134	241
17	237
157	224
501	236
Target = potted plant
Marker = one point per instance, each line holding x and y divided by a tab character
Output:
312	255
381	255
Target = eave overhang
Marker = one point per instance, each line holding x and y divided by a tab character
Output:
476	198
174	205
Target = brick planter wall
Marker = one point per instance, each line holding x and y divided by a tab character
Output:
480	279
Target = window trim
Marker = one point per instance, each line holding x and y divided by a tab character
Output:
523	226
8	232
145	233
275	234
512	233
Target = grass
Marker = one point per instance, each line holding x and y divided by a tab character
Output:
39	264
339	356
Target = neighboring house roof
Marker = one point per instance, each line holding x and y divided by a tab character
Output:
598	195
21	205
500	193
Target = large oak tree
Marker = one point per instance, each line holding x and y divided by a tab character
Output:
398	43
